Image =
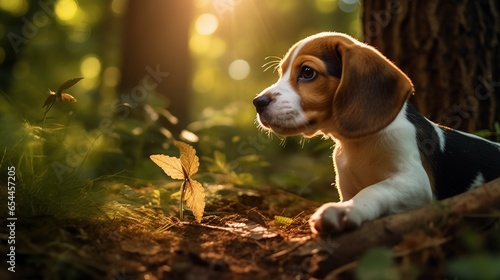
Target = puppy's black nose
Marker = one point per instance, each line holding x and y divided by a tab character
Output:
261	102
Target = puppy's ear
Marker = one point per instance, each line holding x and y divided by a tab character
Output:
371	92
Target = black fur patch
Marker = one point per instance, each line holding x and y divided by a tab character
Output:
463	158
333	61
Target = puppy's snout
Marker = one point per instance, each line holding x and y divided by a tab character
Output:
261	102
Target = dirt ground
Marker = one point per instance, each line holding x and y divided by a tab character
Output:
245	236
237	239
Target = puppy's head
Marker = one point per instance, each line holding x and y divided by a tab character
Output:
331	83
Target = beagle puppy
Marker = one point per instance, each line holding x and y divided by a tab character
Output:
387	157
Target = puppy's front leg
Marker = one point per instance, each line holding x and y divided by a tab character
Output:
392	195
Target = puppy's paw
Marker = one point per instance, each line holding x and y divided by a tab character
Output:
335	217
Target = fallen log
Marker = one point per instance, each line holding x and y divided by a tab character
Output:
390	230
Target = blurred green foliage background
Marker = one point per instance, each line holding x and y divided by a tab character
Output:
104	137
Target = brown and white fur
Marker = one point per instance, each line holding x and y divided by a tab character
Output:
388	158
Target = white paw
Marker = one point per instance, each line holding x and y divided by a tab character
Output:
334	217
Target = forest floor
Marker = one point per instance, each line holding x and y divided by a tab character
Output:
243	235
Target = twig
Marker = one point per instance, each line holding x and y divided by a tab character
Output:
391	229
286	251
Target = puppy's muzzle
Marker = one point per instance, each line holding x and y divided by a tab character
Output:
261	103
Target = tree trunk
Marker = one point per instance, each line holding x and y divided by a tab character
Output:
450	50
155	43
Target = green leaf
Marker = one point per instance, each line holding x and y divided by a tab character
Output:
377	264
220	162
478	266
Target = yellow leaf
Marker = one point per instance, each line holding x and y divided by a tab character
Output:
189	160
67	97
282	221
195	198
170	165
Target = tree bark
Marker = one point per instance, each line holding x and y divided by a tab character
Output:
155	39
450	50
390	230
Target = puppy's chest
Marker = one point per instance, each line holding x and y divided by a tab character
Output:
357	169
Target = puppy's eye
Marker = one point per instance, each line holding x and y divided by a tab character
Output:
307	74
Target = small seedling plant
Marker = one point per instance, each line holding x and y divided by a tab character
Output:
59	94
183	168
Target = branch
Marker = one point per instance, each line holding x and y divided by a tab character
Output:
390	230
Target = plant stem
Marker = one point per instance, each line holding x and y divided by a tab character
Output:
181	202
46	112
